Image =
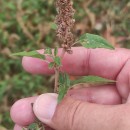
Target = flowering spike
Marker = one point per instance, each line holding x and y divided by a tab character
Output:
65	22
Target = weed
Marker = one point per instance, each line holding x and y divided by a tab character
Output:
65	22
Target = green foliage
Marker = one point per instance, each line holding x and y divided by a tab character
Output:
94	41
53	26
57	61
92	80
64	85
48	51
4	119
55	51
34	126
3	89
51	65
34	54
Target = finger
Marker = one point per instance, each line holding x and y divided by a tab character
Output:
73	114
21	112
17	127
102	62
100	94
123	84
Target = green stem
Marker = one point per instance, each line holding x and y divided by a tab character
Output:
57	71
56	80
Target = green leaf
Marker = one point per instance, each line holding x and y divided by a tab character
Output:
55	51
53	26
33	126
94	41
64	85
92	80
34	54
48	51
57	60
51	65
11	5
64	79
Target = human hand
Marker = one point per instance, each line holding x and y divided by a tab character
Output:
99	108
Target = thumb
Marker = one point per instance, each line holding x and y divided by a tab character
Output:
73	114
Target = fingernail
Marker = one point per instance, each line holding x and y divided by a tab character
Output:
44	107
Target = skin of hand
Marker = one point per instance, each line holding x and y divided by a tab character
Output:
101	108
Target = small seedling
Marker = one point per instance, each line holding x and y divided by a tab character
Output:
64	24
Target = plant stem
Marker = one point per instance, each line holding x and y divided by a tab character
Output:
65	22
56	80
57	71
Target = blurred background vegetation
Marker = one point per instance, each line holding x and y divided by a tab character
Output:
28	25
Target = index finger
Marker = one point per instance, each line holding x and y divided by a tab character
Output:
101	62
